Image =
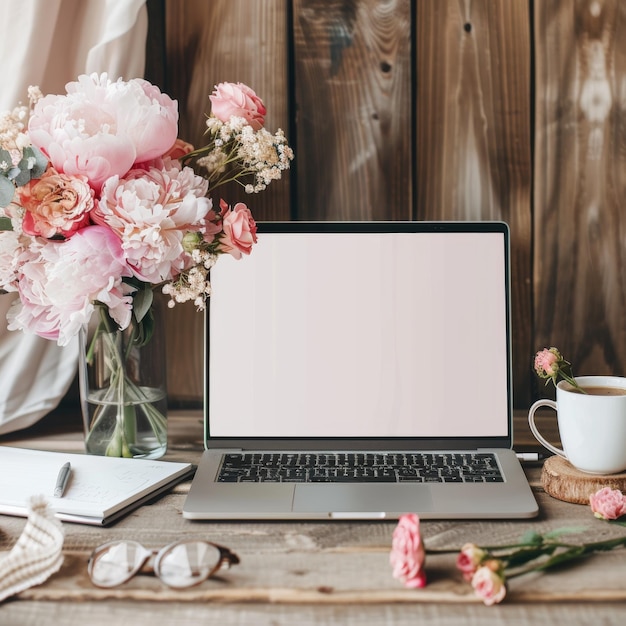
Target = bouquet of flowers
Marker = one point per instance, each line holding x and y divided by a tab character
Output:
101	202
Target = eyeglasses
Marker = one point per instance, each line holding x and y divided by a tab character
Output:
181	564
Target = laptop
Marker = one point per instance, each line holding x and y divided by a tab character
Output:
361	370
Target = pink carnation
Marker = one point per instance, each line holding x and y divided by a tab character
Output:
58	283
238	100
488	583
608	503
407	552
546	362
151	210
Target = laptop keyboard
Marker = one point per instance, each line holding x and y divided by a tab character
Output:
360	467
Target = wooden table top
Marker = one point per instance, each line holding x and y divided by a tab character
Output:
309	572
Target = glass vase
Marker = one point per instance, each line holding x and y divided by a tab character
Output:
122	381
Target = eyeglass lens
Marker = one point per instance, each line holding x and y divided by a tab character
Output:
178	565
114	563
186	564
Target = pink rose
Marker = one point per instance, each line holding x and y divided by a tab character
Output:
55	204
488	583
239	229
608	503
469	559
407	552
237	99
546	362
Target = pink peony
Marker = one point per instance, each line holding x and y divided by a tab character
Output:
407	552
238	100
58	283
469	559
55	204
99	128
239	229
608	503
151	211
488	583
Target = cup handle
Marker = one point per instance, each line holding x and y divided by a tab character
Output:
531	422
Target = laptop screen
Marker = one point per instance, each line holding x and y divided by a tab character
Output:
362	330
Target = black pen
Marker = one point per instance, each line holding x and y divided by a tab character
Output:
62	478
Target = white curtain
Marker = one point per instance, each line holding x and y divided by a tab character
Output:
49	43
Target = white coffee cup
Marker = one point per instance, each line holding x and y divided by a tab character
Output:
592	427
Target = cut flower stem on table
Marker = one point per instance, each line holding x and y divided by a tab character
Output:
489	568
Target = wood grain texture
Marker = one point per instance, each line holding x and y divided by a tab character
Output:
580	180
424	110
207	43
473	156
563	481
352	64
313	572
235	41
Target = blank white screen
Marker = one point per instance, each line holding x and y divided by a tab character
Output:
360	335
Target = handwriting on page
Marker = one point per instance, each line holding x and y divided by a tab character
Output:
110	486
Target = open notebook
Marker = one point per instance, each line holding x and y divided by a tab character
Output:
100	489
380	351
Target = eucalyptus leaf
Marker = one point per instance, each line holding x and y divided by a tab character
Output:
6	160
23	176
7	191
40	163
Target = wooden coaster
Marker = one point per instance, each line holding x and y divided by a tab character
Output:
564	482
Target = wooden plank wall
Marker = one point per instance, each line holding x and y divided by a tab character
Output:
433	109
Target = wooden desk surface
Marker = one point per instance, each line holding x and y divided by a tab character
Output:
309	573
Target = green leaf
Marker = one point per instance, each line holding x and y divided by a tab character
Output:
567	530
5	223
23	175
144	330
6	160
563	557
7	191
40	164
524	556
142	301
532	538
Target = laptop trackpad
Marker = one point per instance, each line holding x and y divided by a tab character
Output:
374	498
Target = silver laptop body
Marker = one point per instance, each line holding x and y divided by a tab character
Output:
384	339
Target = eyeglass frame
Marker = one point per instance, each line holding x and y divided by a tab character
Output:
226	559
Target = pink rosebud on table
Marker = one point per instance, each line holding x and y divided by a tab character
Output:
469	560
407	552
608	503
489	584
